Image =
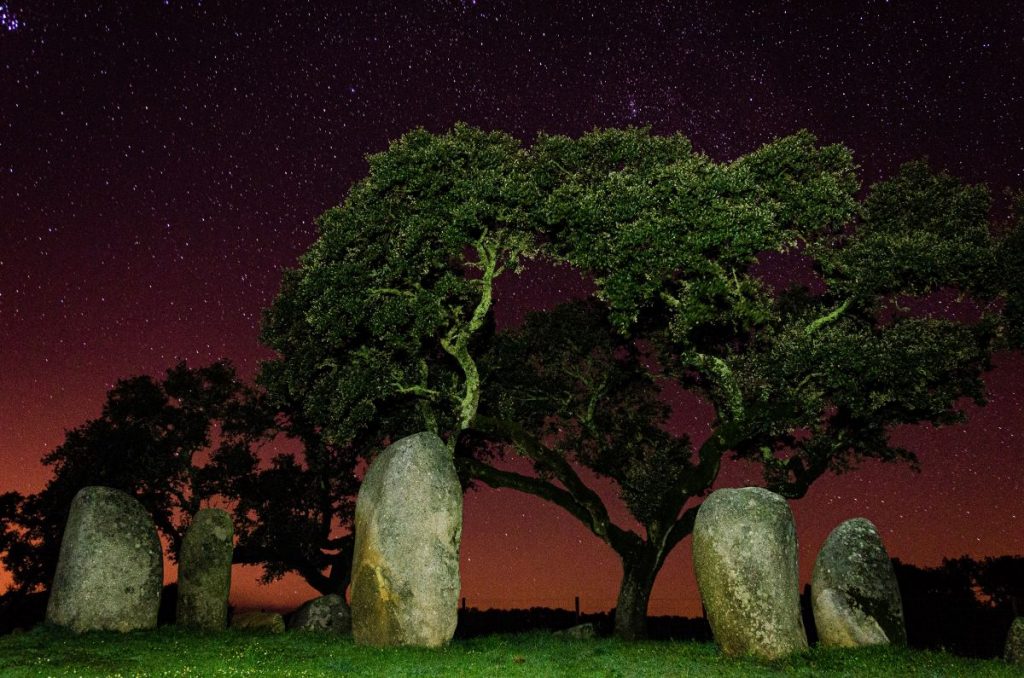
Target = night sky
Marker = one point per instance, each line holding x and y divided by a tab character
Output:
162	161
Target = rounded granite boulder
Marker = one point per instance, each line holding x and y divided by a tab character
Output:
110	570
854	594
745	559
258	620
327	614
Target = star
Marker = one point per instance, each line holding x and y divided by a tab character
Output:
8	20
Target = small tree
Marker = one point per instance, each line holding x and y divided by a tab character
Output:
294	515
148	441
144	443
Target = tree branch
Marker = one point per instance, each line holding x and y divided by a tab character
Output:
497	478
680	529
246	554
459	349
596	514
416	390
813	326
722	377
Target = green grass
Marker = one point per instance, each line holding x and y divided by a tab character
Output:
173	652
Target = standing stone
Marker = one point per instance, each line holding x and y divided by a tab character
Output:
405	570
327	613
110	570
1014	652
204	570
854	594
745	559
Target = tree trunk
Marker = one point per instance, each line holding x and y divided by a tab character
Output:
638	574
341	570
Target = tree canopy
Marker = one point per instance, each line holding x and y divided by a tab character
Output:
376	327
385	328
772	287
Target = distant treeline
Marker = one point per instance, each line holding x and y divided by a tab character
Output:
964	606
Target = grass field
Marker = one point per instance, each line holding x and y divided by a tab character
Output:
172	652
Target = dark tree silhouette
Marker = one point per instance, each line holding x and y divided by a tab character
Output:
998	580
150	440
963	606
294	515
145	443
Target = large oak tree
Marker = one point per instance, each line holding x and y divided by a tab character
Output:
807	375
385	328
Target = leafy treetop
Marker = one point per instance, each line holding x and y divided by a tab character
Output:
385	306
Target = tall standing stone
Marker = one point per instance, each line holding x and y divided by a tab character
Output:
110	570
854	594
405	570
204	570
745	559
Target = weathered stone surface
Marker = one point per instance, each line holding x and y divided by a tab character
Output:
328	613
854	594
745	559
204	570
110	569
405	570
578	632
1014	652
255	620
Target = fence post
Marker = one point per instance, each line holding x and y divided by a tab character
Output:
577	609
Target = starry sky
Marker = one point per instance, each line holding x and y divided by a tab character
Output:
162	161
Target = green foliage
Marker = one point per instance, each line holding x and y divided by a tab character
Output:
382	312
1011	267
672	234
801	381
921	231
381	328
823	400
170	651
805	377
